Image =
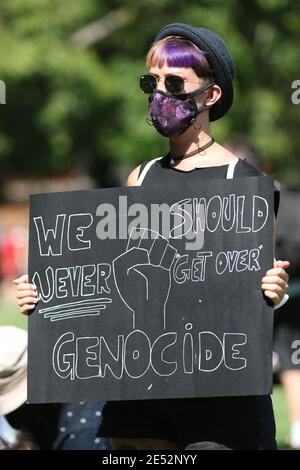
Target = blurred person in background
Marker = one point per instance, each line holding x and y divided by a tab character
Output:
70	426
13	258
77	427
286	324
13	252
13	387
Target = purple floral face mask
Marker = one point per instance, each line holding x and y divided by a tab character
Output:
171	114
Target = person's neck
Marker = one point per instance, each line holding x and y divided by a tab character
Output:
189	142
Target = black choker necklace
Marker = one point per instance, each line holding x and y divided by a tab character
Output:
173	158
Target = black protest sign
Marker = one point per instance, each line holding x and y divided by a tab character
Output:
151	292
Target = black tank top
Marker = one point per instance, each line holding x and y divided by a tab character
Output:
162	173
247	421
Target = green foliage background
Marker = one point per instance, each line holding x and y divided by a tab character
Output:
68	106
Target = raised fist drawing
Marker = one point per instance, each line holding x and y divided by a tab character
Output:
143	275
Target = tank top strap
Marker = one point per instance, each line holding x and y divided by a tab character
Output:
145	171
231	168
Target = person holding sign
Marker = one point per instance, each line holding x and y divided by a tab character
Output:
190	84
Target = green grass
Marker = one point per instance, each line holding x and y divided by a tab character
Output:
9	315
281	417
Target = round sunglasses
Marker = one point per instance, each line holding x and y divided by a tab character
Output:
174	84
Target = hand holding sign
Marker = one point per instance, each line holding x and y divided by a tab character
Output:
26	294
144	267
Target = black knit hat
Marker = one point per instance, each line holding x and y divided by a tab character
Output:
218	57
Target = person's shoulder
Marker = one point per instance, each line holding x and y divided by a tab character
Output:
136	172
133	177
245	168
162	161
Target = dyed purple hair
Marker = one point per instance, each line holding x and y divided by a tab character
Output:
175	51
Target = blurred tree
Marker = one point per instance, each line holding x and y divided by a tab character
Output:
71	71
